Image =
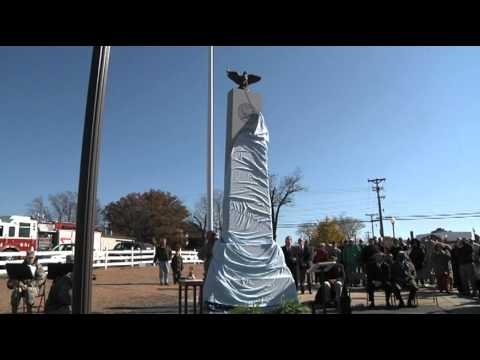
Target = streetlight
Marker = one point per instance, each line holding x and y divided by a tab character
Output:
392	220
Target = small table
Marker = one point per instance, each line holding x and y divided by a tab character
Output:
185	283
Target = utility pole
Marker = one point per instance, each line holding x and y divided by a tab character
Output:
371	220
377	189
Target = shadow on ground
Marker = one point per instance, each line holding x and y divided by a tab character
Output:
423	309
162	309
127	284
466	309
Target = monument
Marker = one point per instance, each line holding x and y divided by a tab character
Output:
248	267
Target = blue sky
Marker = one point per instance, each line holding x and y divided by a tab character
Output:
341	114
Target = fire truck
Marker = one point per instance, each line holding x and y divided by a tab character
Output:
22	233
18	233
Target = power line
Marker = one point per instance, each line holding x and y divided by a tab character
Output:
371	220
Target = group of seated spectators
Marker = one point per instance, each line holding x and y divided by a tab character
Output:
394	266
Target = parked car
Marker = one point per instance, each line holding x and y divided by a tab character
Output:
124	245
127	245
60	258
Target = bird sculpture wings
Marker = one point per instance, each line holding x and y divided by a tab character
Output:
253	79
242	80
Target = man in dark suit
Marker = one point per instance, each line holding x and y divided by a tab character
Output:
303	264
289	254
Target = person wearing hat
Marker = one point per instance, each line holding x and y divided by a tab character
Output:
60	296
29	288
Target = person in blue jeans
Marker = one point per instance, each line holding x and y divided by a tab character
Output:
163	254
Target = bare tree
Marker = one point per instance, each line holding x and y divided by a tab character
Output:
283	194
348	226
99	214
199	215
38	210
64	206
307	230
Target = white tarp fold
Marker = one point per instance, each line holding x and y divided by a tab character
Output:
248	267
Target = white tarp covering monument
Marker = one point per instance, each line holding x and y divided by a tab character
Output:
248	266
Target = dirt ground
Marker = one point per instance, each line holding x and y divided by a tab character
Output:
124	290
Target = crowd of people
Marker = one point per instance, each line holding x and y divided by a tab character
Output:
393	265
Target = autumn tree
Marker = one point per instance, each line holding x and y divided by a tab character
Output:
146	215
282	193
327	231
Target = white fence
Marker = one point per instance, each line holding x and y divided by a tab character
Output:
101	259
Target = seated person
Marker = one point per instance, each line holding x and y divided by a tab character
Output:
60	296
378	276
28	289
404	277
335	278
321	255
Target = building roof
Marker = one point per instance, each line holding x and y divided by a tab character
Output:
451	235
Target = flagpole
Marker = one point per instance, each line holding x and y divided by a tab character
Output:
87	188
210	144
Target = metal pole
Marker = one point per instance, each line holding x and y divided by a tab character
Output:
393	228
87	189
210	144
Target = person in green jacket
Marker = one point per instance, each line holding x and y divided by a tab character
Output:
350	259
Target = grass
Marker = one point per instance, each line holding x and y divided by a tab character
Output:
286	307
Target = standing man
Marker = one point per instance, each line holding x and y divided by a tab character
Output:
350	258
28	289
303	264
417	256
206	253
467	273
163	254
290	258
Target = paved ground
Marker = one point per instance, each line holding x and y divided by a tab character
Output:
137	290
447	303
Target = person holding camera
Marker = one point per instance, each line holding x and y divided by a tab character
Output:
28	288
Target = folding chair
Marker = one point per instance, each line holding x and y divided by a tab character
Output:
40	296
